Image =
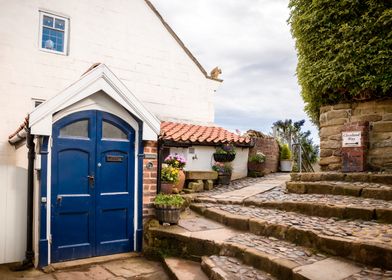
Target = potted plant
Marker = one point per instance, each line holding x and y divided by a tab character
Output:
169	177
225	153
179	162
224	172
256	164
168	207
286	162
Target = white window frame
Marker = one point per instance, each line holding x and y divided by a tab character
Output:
66	31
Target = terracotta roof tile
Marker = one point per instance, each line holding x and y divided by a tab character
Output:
199	134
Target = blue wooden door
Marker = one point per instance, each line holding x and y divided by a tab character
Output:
92	186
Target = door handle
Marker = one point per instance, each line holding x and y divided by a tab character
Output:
91	180
59	198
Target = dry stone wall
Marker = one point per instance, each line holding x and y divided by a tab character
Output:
332	120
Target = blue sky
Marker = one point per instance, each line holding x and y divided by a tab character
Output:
250	41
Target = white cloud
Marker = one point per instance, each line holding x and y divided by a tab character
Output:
250	40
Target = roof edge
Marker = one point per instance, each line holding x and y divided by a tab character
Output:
180	42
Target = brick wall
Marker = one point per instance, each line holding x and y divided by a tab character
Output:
334	118
149	178
270	147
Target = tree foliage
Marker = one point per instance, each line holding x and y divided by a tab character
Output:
344	50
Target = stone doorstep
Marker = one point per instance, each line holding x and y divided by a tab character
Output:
180	269
89	261
370	253
276	266
334	189
312	208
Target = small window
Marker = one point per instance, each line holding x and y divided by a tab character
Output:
37	102
110	131
77	129
53	33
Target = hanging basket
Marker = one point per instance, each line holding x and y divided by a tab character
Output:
224	157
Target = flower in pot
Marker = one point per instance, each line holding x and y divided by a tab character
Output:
225	153
256	165
168	207
179	162
286	162
169	177
224	172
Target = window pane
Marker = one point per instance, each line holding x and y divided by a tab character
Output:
110	131
59	24
52	39
75	129
48	21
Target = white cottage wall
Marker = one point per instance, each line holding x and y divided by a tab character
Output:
125	35
202	159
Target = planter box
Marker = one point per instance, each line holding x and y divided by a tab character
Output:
168	214
224	157
224	179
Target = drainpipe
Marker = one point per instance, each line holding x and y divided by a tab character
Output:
159	167
29	256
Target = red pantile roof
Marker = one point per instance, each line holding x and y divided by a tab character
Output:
199	134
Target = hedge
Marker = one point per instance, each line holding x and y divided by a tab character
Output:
344	50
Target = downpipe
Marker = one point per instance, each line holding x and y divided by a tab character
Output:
28	262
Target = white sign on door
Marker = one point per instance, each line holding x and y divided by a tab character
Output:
351	138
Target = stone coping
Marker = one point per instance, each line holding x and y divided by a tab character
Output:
366	177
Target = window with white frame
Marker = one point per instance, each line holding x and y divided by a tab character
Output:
53	33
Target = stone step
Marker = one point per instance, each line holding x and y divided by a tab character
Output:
230	268
366	242
180	269
282	259
345	177
365	190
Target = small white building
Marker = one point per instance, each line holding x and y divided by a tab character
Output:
91	135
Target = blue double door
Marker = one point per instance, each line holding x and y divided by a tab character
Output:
92	198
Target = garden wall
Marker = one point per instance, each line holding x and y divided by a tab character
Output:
332	120
270	147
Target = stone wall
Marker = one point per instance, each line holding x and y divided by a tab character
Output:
332	120
270	147
149	178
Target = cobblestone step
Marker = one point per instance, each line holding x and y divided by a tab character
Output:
230	268
180	269
282	259
346	177
359	189
367	242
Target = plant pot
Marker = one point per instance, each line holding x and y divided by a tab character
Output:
224	157
181	181
224	179
168	214
167	188
286	165
256	169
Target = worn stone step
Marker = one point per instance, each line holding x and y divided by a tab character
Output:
180	269
345	177
362	241
366	190
230	268
282	259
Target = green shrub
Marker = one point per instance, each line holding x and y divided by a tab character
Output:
285	153
169	200
259	158
344	50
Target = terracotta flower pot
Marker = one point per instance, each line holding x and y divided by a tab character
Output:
181	180
167	188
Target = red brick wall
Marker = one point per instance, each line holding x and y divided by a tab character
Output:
270	147
149	178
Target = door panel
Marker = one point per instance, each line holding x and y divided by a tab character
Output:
92	186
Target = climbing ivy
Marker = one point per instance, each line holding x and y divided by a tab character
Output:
344	50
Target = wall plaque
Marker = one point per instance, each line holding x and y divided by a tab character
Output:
351	139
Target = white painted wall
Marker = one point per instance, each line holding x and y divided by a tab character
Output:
202	160
126	36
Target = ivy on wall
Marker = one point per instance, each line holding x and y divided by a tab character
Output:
344	50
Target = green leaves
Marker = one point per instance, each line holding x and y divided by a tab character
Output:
344	47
